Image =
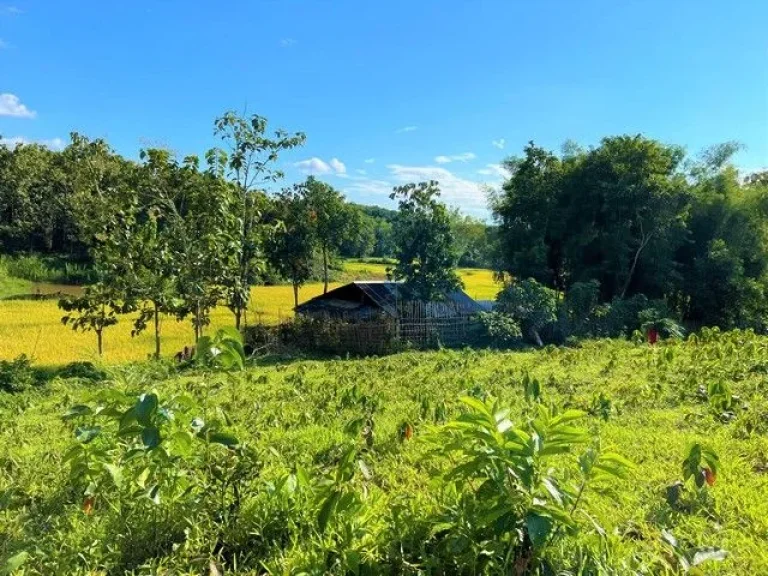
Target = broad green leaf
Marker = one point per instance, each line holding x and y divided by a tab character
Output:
223	438
77	411
539	528
146	408
10	565
326	510
115	473
150	436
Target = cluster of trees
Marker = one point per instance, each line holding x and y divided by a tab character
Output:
633	217
178	237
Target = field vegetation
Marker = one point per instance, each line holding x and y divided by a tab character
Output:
344	466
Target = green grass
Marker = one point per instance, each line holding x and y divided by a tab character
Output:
292	413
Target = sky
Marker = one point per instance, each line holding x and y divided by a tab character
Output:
392	91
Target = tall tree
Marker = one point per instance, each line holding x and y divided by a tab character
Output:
292	243
333	219
250	161
426	258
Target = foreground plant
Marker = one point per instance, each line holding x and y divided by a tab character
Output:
519	501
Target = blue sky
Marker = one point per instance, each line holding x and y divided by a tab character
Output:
390	91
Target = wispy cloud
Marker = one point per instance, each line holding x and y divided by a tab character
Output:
361	172
8	9
406	129
466	157
52	143
499	143
494	170
468	194
10	105
317	166
3	44
369	160
287	42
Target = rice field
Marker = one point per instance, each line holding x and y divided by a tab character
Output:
34	328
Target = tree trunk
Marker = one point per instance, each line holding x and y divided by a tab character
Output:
295	295
157	332
325	270
99	342
198	323
536	337
238	312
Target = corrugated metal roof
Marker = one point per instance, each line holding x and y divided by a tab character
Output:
386	295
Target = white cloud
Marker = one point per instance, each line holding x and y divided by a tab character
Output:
494	170
52	143
317	166
7	9
469	195
10	105
369	160
362	187
362	172
287	42
337	166
406	129
466	157
499	143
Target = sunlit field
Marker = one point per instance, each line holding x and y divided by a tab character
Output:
34	328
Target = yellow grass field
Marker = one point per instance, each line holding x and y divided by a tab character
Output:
34	327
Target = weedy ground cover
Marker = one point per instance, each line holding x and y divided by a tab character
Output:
607	458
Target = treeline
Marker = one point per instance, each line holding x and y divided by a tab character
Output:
633	220
46	197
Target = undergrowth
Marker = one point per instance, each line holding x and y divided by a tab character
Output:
610	457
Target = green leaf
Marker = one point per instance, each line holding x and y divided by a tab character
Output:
539	528
146	407
115	473
85	434
326	510
13	563
223	438
150	436
77	411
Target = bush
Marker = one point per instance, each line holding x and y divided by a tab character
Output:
52	269
16	375
500	330
533	305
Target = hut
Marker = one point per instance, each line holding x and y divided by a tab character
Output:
366	300
377	316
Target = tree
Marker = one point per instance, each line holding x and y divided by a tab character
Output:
291	245
615	214
250	159
424	249
199	219
333	219
530	218
95	310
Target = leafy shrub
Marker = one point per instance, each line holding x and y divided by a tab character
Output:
531	304
36	268
16	375
82	370
515	498
499	329
654	319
